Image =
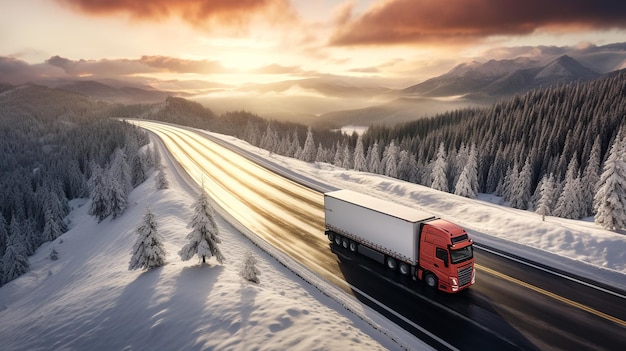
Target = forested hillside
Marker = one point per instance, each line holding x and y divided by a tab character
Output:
51	144
543	150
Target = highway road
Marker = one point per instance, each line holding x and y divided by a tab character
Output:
512	306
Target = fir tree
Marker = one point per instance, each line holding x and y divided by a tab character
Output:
569	204
148	251
14	262
321	154
99	193
51	228
360	163
308	152
338	159
4	235
249	271
610	199
520	192
591	177
438	176
346	158
54	255
467	184
120	172
389	161
204	237
161	180
547	196
373	159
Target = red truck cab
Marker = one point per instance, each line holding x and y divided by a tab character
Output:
446	256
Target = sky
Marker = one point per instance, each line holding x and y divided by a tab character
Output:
239	41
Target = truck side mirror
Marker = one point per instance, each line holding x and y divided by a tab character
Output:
445	261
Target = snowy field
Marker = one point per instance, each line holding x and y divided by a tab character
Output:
89	300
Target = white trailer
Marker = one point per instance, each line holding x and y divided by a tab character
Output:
382	229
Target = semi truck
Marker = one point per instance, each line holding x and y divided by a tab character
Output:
412	242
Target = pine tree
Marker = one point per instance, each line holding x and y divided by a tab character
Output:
161	180
249	271
118	198
321	154
338	159
120	172
591	177
346	158
360	163
547	196
148	251
520	192
4	235
99	193
390	160
569	204
438	175
54	255
610	199
373	159
14	262
51	228
204	237
467	184
308	152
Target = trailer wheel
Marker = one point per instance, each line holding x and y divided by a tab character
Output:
391	263
345	243
331	236
404	268
353	246
431	280
338	240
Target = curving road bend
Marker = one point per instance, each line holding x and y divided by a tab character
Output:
511	307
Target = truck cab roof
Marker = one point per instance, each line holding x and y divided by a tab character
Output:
448	227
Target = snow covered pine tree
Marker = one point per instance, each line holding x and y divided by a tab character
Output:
610	199
203	238
148	251
249	271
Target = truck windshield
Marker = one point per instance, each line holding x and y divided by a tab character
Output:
464	254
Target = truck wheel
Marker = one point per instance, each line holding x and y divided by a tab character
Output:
391	263
353	246
430	280
345	243
404	268
331	236
338	240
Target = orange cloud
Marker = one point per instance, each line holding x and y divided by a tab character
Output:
126	67
434	21
200	13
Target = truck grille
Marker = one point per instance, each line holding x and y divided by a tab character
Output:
465	275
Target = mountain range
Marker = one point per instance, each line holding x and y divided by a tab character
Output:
502	78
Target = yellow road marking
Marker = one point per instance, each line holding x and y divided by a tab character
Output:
552	295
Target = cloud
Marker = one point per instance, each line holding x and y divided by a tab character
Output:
278	69
143	65
199	13
176	65
16	71
462	21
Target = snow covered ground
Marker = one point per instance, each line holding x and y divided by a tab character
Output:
89	300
